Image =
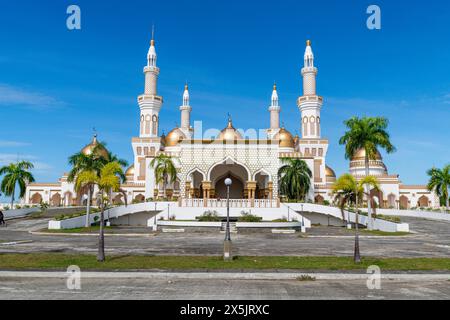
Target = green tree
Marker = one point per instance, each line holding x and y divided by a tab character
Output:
369	134
16	174
165	171
440	183
294	178
92	162
347	190
107	181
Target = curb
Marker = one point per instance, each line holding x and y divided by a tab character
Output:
222	276
141	235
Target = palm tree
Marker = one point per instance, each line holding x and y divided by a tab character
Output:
295	178
440	183
16	173
348	190
107	181
165	170
369	134
81	162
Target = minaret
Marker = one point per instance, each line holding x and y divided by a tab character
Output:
186	109
150	103
274	110
310	103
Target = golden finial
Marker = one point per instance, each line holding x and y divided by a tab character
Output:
152	42
186	86
274	86
308	43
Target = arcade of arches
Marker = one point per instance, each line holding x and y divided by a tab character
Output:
244	186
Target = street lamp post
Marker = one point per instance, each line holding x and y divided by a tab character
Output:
227	242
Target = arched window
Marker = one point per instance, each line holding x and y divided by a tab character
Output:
155	125
305	126
147	124
313	127
142	124
318	126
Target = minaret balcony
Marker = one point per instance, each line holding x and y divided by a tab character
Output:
309	70
148	97
151	69
313	98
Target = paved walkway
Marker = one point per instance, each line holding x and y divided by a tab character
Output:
151	289
432	240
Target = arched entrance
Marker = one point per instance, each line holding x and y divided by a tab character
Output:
263	188
118	200
139	198
423	202
229	169
392	204
56	200
404	203
36	198
319	199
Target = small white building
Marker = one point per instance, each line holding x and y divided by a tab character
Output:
203	163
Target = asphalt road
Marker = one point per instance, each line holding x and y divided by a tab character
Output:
432	239
150	289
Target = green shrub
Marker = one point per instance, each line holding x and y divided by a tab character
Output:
209	216
248	217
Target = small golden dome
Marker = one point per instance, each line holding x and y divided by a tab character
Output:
329	173
130	171
89	149
174	137
229	133
308	43
286	138
361	155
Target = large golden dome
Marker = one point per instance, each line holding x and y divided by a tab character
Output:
229	133
94	145
174	137
286	139
361	155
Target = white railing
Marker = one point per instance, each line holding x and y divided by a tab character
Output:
234	203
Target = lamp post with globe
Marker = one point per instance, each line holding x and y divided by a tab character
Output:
227	242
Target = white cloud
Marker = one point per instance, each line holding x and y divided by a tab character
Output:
25	98
6	143
8	158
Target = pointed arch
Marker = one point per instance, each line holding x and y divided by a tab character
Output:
226	161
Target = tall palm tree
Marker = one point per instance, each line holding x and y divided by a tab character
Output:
440	183
81	162
16	173
295	178
107	181
348	190
165	171
369	134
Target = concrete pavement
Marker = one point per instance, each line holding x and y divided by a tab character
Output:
212	289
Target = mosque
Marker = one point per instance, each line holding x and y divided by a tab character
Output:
252	163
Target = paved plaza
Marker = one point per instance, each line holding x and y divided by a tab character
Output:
430	239
151	289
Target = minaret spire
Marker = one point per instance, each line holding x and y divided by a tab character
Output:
150	102
186	112
274	110
310	104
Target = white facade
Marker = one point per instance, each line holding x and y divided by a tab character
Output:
253	164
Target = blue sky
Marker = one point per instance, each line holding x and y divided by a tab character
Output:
56	84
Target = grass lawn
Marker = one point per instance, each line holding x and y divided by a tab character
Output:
92	229
380	233
58	261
